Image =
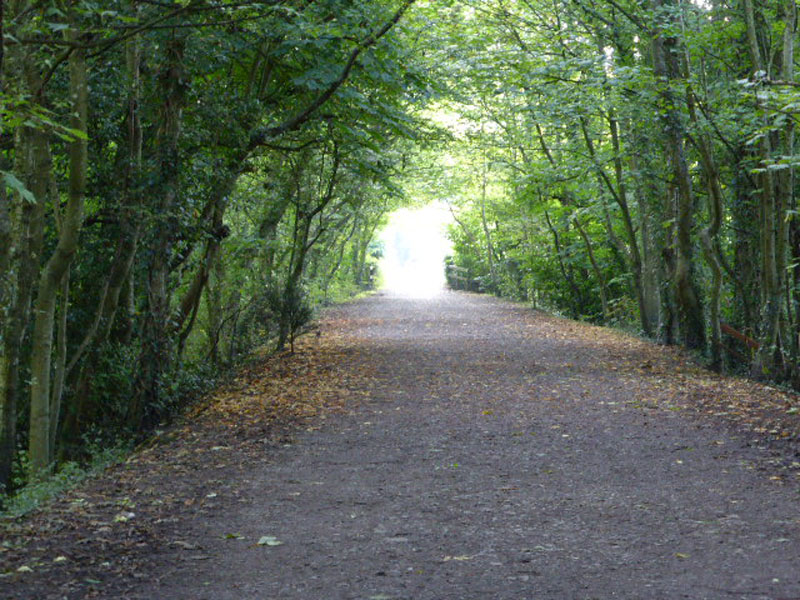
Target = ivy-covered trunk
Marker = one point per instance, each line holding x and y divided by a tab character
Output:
157	345
7	415
687	295
777	190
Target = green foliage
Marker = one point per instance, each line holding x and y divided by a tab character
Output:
230	148
561	177
15	185
34	495
292	309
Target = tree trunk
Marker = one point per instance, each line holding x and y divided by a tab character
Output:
668	317
629	248
60	371
646	194
303	241
486	232
328	277
8	416
189	304
32	162
157	351
709	235
120	275
566	271
786	178
215	310
267	232
687	296
621	197
132	198
290	289
776	197
40	452
33	159
598	273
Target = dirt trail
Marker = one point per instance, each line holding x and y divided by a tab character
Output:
484	451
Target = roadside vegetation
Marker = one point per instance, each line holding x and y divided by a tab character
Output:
183	182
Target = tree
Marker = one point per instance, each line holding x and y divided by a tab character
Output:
120	186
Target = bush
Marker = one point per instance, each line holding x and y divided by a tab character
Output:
68	475
292	307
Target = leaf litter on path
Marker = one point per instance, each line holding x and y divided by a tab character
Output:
89	541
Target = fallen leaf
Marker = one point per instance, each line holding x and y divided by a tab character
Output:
269	540
184	545
123	517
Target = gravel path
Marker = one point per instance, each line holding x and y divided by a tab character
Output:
494	452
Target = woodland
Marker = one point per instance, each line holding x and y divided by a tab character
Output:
186	180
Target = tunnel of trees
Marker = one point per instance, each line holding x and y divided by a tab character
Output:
184	180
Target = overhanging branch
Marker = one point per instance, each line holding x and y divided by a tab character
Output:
262	136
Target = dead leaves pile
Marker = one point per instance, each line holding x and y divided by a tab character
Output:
319	376
99	539
667	377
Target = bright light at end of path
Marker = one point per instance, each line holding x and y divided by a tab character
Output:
415	246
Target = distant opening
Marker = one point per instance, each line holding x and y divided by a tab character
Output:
415	246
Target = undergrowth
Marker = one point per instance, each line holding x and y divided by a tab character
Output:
189	386
35	494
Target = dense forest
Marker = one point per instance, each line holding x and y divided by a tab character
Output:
185	180
633	162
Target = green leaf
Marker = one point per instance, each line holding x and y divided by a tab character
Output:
70	134
15	184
